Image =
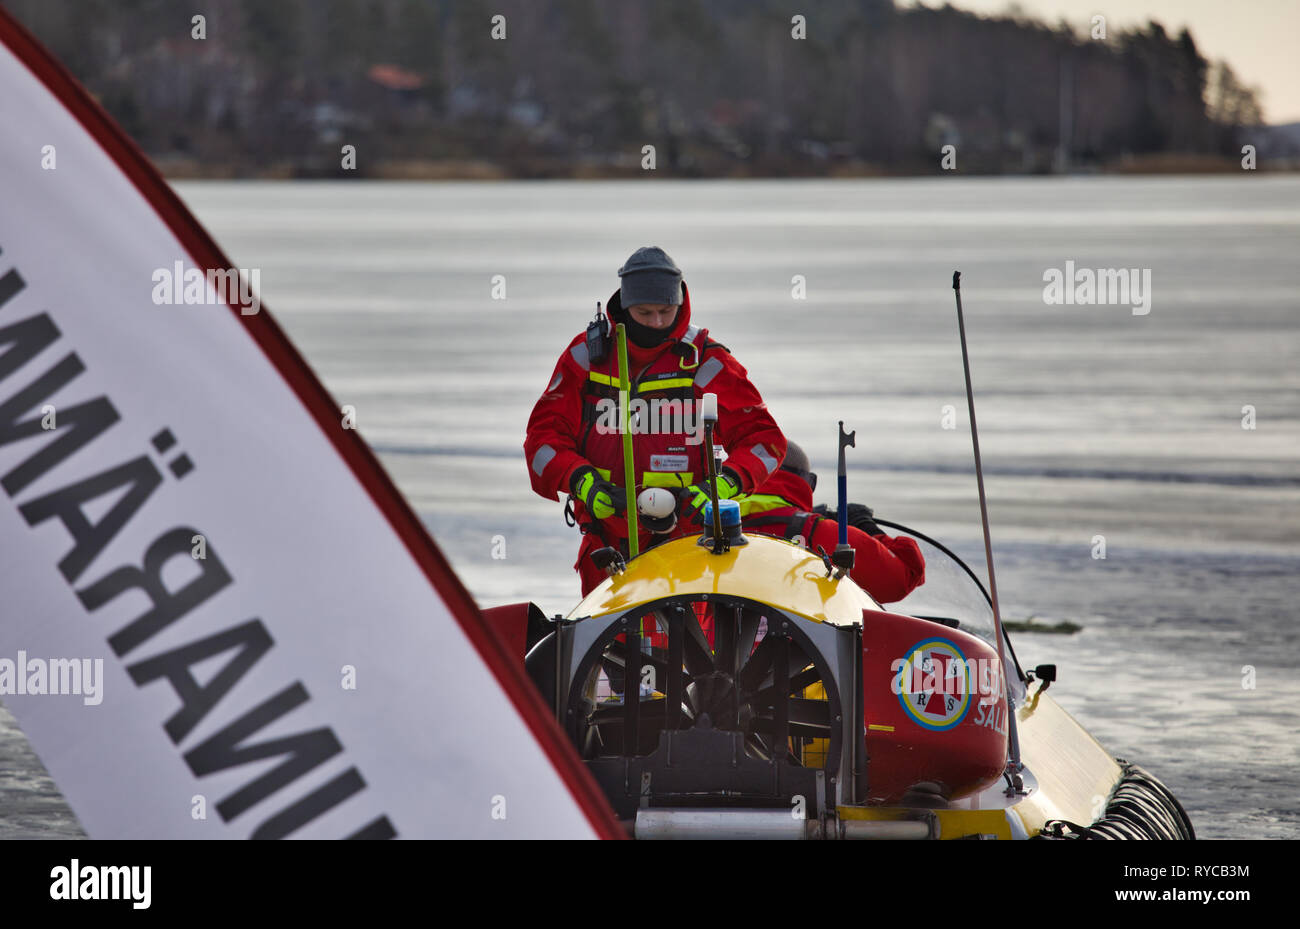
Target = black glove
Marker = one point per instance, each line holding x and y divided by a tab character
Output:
859	517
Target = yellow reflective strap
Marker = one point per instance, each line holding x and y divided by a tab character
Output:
665	384
759	503
674	480
603	379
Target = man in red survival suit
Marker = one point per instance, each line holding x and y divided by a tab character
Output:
885	567
574	445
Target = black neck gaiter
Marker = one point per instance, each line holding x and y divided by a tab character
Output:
644	336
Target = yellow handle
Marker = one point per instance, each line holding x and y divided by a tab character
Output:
629	472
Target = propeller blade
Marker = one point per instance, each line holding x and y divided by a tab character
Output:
749	621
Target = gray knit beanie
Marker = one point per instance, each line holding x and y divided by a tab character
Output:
650	276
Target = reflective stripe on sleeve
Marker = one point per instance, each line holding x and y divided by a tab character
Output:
708	371
762	455
753	504
579	353
544	456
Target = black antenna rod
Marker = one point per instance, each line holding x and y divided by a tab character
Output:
1014	766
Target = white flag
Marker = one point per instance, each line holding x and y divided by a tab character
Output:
218	617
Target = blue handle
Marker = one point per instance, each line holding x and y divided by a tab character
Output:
843	509
846	439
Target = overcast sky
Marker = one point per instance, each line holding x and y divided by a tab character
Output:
1258	38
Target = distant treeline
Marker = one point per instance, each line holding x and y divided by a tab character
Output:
581	87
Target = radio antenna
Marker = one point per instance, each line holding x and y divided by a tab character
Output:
1014	767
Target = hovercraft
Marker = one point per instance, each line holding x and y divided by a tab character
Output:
740	686
752	694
